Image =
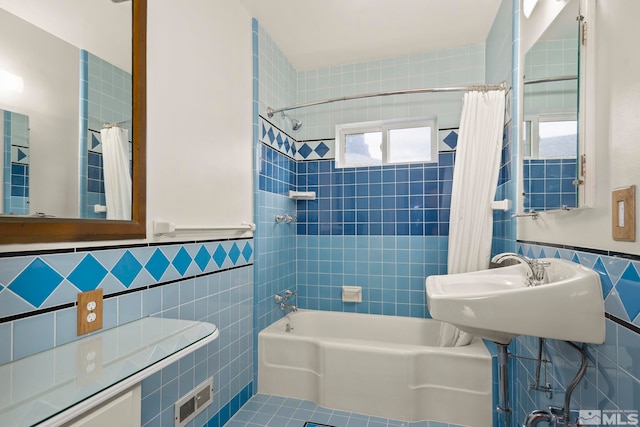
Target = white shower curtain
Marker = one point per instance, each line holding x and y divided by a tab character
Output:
117	176
475	179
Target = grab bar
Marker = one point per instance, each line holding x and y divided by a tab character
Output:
163	227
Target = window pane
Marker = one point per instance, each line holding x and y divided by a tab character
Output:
363	149
410	145
558	139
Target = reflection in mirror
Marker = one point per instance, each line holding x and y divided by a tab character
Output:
75	88
69	93
550	128
14	128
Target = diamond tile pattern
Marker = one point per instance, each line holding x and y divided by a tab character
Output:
451	140
182	261
305	150
322	149
126	269
628	288
88	274
36	282
202	258
247	251
219	255
276	139
234	253
157	264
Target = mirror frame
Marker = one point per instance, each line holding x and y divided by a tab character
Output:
45	230
586	114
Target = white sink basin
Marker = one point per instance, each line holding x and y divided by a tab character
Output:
498	305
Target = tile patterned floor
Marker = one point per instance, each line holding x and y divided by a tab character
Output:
274	411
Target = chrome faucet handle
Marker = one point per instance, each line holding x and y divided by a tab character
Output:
289	293
540	262
538	270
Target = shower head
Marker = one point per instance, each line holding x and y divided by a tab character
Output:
295	123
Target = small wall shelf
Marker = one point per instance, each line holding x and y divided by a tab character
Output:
57	385
302	195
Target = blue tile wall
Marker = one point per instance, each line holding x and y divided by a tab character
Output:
382	228
402	200
274	83
209	281
277	172
548	183
612	381
503	223
390	269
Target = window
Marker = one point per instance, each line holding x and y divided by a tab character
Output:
383	143
550	137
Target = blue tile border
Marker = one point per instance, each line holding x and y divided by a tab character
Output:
41	281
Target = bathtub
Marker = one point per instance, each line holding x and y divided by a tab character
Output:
384	366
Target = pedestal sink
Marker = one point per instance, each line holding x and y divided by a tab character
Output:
499	305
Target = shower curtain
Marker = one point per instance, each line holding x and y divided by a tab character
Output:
475	179
117	176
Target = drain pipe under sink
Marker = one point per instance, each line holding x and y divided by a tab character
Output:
555	416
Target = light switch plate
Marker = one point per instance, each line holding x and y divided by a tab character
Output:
84	298
623	214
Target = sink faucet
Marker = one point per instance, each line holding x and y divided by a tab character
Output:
536	267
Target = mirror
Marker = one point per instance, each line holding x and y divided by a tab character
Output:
14	128
549	137
68	212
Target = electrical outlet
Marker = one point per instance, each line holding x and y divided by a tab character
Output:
89	311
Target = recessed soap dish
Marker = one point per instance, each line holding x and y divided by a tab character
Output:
352	294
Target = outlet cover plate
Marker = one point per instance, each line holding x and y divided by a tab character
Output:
84	298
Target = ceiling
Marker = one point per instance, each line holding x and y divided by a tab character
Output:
322	33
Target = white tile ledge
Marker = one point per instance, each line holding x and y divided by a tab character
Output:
57	385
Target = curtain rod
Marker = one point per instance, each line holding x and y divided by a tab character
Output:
114	124
484	88
550	79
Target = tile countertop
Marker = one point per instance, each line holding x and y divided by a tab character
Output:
41	388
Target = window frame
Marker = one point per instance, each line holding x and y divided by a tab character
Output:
384	127
531	130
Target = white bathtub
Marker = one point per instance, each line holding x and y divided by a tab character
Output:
385	366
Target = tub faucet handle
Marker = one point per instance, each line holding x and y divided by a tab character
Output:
291	307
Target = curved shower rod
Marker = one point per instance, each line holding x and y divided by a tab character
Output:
483	88
550	79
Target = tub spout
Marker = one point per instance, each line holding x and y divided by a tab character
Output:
291	307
